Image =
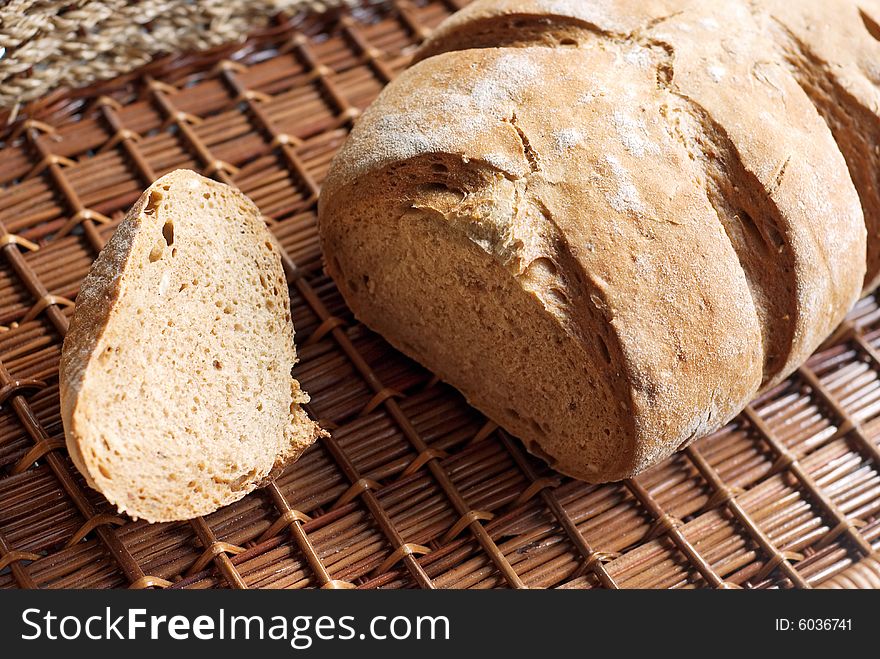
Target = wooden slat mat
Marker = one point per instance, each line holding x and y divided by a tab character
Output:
415	489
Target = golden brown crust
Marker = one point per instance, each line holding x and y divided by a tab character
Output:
833	50
768	160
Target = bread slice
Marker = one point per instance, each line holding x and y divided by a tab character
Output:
176	389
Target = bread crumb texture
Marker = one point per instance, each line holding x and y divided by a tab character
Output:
609	224
177	393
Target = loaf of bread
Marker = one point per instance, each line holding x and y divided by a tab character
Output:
609	224
175	375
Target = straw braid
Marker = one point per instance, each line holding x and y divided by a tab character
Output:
45	44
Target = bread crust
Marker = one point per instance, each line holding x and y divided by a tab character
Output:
101	292
98	293
643	188
777	160
833	50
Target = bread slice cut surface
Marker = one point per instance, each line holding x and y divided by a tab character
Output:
176	388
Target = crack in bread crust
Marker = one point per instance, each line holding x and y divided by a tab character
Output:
767	261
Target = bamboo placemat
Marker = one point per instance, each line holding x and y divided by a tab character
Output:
415	488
